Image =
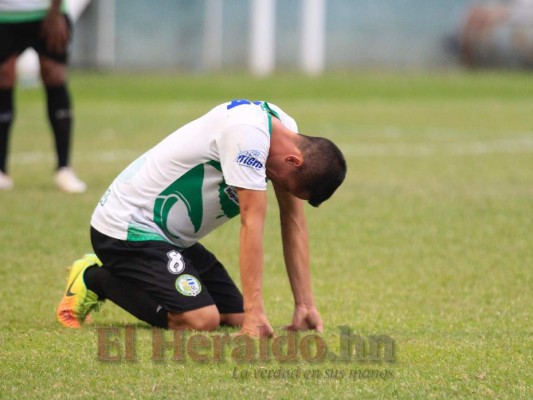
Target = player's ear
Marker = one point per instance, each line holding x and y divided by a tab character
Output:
294	160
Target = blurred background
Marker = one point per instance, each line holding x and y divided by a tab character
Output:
313	36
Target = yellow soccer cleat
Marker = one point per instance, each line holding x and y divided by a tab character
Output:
78	301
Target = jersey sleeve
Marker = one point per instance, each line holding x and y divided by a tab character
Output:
243	150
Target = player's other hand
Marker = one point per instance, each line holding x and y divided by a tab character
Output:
306	318
54	30
256	326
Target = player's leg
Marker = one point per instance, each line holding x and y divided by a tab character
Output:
126	295
89	284
139	303
78	300
8	58
219	284
153	282
60	115
202	319
54	76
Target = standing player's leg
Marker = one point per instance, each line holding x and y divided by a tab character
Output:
7	84
54	77
53	63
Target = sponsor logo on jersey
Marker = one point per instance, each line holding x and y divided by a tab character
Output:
249	158
188	285
232	194
175	264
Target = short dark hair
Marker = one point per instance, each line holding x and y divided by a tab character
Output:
323	169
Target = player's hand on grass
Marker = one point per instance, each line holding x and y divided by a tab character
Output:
256	325
306	318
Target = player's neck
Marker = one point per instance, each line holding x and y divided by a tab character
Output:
282	140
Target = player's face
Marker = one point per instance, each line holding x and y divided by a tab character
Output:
294	189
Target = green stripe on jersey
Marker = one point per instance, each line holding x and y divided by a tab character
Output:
270	112
14	17
136	234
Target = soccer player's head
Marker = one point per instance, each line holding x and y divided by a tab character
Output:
323	168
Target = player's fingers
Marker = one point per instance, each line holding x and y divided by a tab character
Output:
266	331
261	332
290	327
253	335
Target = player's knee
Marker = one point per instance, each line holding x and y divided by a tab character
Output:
203	319
210	323
52	72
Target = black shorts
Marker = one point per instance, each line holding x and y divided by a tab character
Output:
179	280
17	37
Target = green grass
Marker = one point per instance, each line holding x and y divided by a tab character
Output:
428	241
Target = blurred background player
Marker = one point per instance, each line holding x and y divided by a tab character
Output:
498	34
43	25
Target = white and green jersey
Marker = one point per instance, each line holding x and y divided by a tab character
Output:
184	187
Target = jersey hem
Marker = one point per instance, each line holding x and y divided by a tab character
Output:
249	187
14	17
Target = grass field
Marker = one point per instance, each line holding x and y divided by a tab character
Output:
428	242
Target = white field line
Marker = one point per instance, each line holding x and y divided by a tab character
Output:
42	157
523	144
474	148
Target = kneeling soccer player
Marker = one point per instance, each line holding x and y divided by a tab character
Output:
146	227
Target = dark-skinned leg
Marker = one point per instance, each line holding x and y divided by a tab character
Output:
7	113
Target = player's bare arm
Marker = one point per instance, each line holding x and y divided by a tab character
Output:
253	205
295	240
